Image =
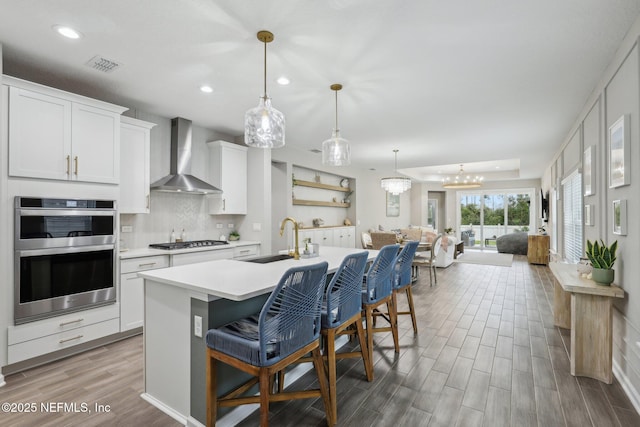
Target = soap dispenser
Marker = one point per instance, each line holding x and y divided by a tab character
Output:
172	236
183	236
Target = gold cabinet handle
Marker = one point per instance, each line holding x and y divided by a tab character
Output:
68	164
75	161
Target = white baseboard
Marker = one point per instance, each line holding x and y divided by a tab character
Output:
2	383
632	393
164	408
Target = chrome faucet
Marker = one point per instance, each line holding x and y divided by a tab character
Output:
296	252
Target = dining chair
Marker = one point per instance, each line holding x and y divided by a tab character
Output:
286	329
380	239
429	260
377	291
366	240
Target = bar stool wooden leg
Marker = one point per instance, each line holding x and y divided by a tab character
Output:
324	389
265	392
330	351
368	364
212	396
411	309
393	316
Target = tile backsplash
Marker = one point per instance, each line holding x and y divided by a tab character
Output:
173	211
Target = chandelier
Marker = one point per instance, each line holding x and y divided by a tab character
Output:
335	150
462	181
264	125
395	184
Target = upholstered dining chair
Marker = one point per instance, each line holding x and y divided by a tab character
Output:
377	291
429	260
380	239
286	329
366	240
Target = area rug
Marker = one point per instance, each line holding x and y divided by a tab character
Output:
486	258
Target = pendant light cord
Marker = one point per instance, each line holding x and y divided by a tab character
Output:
336	110
265	70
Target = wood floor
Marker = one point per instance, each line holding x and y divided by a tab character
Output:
487	354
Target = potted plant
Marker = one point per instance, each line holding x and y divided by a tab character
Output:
234	235
602	258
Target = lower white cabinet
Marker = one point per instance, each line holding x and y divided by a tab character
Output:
202	256
132	288
343	237
45	336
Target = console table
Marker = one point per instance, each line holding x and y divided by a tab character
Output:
585	307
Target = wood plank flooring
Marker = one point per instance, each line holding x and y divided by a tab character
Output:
487	354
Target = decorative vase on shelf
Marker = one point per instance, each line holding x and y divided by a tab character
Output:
603	276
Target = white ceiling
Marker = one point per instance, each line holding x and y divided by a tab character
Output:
445	82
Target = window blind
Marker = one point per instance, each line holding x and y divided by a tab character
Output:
572	217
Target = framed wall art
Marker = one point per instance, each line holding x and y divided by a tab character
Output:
588	171
619	153
393	204
620	217
588	215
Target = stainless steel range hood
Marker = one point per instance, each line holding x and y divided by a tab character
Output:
180	179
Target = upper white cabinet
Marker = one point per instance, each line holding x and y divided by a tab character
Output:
228	172
135	138
59	135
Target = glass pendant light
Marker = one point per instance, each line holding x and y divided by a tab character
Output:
336	150
264	125
395	184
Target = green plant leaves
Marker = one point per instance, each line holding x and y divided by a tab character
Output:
600	255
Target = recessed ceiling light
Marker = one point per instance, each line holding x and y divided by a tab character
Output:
497	167
283	80
67	32
206	89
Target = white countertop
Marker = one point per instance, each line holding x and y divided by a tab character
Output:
240	280
145	252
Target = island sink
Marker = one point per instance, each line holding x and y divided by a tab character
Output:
269	258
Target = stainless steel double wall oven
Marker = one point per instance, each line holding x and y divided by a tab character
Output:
64	256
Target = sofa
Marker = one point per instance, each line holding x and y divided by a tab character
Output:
514	243
444	257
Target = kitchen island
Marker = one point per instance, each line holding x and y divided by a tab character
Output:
183	302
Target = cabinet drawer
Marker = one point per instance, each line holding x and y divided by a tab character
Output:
203	256
60	324
245	251
133	265
37	347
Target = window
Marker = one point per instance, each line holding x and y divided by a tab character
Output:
572	218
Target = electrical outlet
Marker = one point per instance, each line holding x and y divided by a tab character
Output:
197	326
219	225
257	226
127	228
230	225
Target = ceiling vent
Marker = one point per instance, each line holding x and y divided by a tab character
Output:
103	64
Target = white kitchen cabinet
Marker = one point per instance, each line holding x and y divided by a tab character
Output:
228	172
48	335
201	256
58	135
241	252
135	139
344	237
132	288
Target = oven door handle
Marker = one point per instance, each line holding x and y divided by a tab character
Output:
66	212
64	250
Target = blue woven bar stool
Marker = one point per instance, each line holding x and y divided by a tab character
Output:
401	280
377	291
341	309
286	329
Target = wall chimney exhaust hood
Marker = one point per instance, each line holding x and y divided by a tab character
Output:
180	179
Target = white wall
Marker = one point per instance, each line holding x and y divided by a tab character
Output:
616	94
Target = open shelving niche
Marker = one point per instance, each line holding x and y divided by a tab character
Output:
310	187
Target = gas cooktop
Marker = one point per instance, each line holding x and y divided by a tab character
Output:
188	245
